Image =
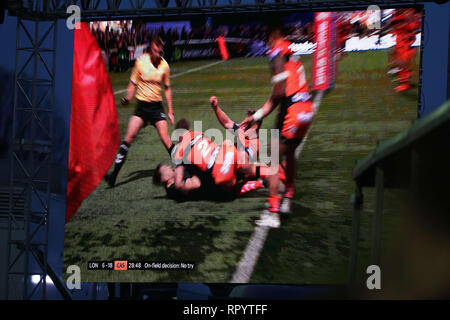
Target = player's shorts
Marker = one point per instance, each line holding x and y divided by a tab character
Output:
224	169
150	112
294	119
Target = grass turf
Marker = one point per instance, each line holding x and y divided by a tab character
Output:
135	221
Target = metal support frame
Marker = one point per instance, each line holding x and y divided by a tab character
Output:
356	222
376	223
32	140
121	9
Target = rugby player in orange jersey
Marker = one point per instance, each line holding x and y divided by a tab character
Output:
290	90
343	33
405	25
207	161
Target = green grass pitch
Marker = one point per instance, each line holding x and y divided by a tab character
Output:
135	221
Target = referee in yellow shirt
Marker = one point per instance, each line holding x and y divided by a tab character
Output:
150	73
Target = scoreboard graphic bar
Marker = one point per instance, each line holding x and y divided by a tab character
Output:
124	265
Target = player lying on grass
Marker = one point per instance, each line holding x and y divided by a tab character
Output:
198	159
290	90
198	185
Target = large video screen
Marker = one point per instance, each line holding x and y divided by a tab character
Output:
220	149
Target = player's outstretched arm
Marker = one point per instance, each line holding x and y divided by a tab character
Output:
223	118
278	90
258	115
130	93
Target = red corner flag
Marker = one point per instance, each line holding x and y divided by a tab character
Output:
223	47
94	126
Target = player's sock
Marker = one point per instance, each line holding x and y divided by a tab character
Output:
269	219
285	207
250	186
289	191
274	203
404	78
119	160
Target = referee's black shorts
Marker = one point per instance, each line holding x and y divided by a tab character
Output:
150	112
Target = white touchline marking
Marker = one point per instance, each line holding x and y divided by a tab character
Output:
182	73
197	69
120	91
248	261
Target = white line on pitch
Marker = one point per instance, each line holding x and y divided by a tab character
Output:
197	69
248	261
182	73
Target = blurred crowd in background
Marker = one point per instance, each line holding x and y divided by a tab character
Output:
122	42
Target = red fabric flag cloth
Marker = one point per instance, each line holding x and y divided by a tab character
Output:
94	125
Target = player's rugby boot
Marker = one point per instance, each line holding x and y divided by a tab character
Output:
282	173
274	204
118	163
271	216
285	207
394	71
269	219
110	180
